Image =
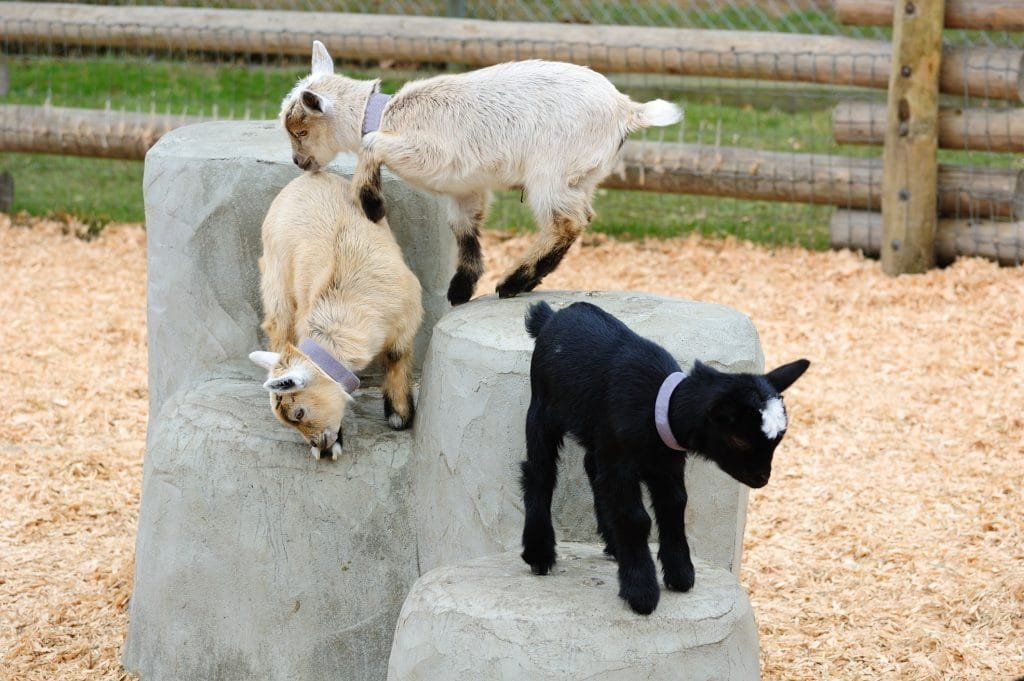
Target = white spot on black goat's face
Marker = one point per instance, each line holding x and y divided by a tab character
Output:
773	418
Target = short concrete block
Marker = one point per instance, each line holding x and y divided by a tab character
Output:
491	618
470	426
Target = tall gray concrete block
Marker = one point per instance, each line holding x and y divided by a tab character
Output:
470	434
491	618
252	560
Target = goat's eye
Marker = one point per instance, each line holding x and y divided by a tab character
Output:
736	442
299	413
302	133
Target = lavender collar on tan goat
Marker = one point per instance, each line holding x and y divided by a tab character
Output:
330	366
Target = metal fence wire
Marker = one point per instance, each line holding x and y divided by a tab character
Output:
785	105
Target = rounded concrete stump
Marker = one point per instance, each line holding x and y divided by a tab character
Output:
470	435
255	561
491	618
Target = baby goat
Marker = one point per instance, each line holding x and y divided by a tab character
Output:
551	129
336	294
624	399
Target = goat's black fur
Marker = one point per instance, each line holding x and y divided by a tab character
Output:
595	380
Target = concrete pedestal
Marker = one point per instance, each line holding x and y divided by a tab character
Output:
491	618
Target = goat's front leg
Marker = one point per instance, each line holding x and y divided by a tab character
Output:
366	185
619	492
603	527
668	497
540	472
467	214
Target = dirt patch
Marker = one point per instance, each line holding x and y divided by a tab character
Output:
889	544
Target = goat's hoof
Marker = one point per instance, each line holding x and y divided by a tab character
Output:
642	599
461	287
315	452
372	202
540	561
396	420
516	283
335	451
682	581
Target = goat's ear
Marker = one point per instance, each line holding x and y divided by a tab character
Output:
291	382
322	62
313	102
784	376
267	360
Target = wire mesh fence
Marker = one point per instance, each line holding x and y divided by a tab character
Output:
785	105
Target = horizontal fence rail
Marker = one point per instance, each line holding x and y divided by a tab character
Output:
987	15
836	60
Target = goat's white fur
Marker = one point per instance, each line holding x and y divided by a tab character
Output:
773	418
330	274
551	128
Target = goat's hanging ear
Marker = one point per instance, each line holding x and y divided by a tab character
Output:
322	62
291	382
314	103
784	376
267	360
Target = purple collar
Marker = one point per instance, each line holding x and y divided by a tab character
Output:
332	367
661	410
374	108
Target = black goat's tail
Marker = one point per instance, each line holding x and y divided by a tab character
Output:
537	316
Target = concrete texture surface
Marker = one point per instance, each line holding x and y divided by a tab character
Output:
470	426
491	618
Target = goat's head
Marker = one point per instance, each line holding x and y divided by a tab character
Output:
304	397
745	419
323	114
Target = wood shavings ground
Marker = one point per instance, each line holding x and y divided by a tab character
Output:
888	545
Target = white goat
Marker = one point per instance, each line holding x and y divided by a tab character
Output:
338	282
550	128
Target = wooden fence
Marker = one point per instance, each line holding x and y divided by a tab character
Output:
845	182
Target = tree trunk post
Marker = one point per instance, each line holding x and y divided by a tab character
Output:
910	168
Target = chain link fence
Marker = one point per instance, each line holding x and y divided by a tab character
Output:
781	142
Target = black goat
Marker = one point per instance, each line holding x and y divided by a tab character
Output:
624	399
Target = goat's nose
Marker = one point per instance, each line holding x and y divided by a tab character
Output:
297	160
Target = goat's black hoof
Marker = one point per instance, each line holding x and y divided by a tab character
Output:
681	580
396	420
642	598
609	551
540	560
461	287
516	283
373	203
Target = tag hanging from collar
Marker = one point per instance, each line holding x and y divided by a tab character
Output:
668	386
374	108
331	366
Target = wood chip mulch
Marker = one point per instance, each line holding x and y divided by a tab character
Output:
888	545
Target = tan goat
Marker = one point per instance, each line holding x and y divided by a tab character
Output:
336	294
550	128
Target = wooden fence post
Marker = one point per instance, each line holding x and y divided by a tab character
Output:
910	166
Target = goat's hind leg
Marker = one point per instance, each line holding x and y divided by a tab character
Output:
399	408
467	214
557	230
540	472
366	185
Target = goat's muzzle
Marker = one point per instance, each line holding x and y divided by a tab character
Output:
305	162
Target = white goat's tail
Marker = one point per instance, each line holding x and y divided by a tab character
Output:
656	113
